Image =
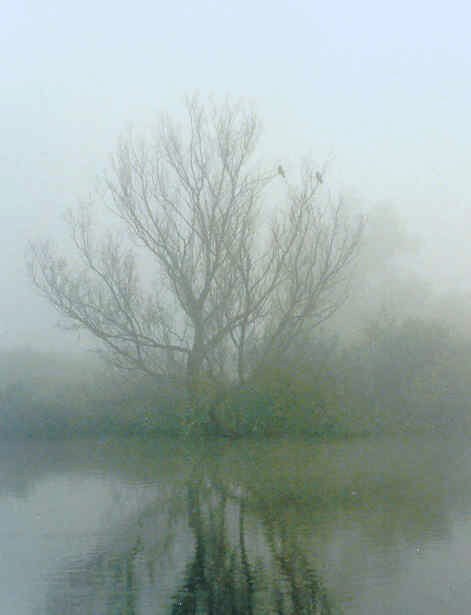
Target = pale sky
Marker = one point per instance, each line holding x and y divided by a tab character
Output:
382	87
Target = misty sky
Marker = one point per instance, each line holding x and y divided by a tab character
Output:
382	88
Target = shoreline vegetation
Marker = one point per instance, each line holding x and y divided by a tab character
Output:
412	377
210	269
236	298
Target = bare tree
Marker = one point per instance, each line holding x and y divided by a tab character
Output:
236	286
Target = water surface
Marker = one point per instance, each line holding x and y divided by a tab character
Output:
160	526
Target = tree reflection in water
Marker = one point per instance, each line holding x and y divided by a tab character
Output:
227	577
214	557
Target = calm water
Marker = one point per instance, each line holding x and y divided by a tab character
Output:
133	526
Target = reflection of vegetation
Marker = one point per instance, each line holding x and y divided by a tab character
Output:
300	589
216	556
225	577
267	527
133	573
131	459
219	578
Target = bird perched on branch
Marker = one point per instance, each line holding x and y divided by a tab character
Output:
281	171
319	177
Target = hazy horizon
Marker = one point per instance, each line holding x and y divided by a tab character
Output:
380	90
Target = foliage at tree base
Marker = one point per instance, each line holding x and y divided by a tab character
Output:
410	377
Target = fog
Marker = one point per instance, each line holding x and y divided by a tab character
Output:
248	447
381	92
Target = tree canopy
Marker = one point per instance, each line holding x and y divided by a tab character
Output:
246	258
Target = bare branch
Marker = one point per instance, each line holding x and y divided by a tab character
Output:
229	293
